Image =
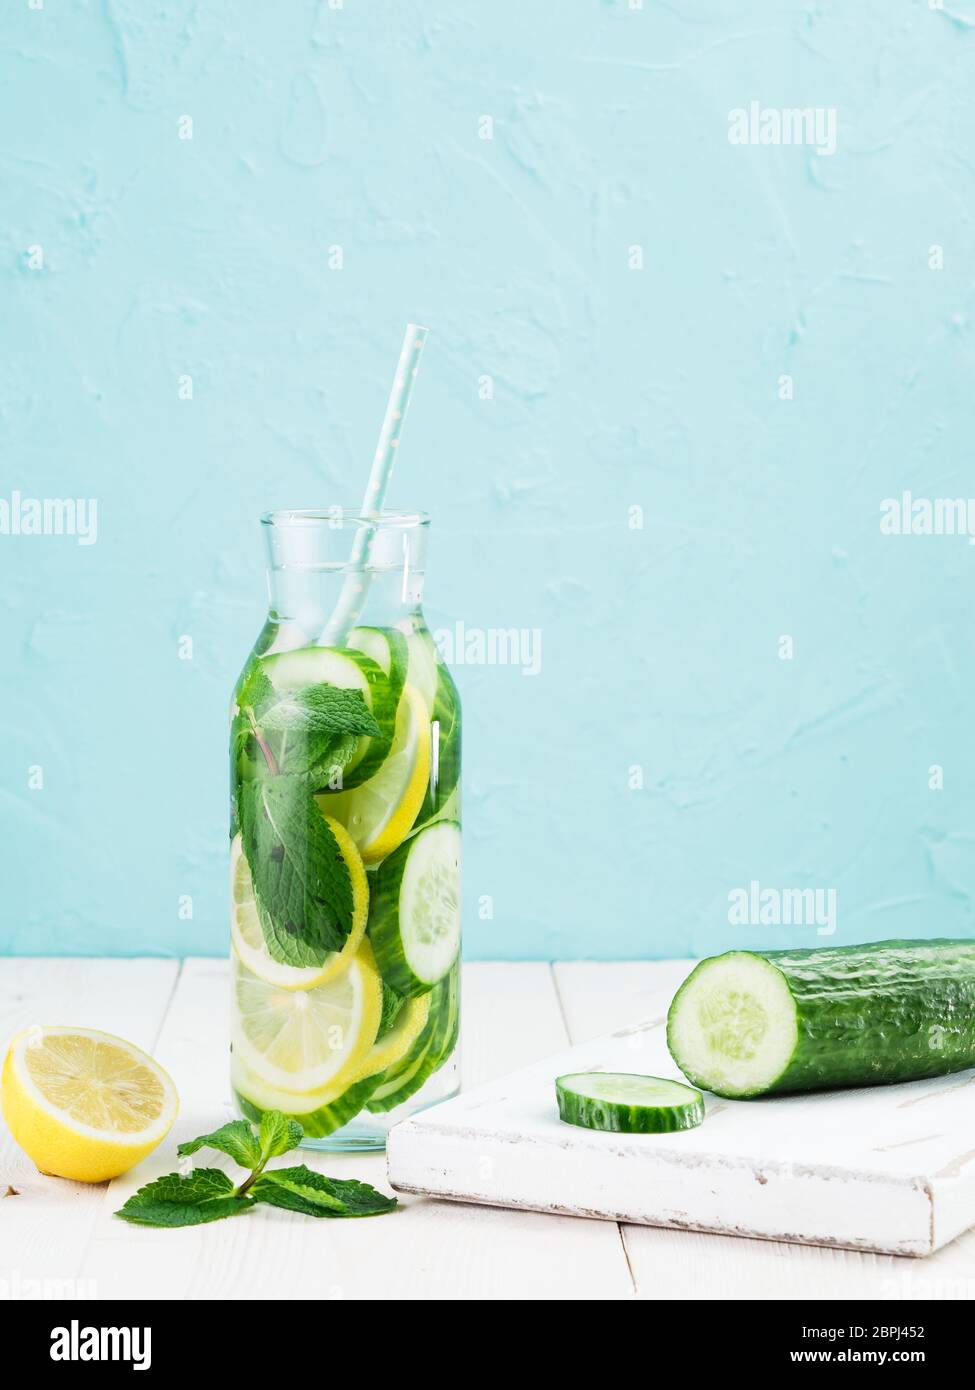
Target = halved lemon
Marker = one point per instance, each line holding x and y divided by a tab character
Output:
379	814
394	1045
248	935
307	1039
82	1104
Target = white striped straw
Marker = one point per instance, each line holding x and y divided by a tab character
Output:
356	587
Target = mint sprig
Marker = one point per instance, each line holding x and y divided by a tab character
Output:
208	1194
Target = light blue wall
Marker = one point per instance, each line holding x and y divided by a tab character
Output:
614	388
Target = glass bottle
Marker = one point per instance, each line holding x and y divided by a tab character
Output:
345	836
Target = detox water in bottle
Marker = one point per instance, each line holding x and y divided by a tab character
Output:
345	838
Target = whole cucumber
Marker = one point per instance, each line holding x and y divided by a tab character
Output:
751	1023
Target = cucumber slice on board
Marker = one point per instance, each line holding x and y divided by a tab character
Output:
414	911
748	1024
627	1103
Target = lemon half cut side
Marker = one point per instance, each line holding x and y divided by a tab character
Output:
83	1104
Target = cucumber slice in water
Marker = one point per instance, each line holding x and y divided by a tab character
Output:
316	1117
316	666
627	1103
414	918
432	1049
388	649
423	659
393	1045
445	735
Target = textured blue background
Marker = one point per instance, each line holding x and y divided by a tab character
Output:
613	388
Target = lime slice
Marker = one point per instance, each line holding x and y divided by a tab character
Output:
247	933
307	1039
380	813
82	1104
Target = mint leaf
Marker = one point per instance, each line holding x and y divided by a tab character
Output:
301	882
319	709
206	1194
278	1135
241	740
256	689
320	763
302	1189
306	731
236	1139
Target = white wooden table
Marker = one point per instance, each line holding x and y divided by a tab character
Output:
60	1239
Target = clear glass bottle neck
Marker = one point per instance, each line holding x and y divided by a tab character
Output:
326	574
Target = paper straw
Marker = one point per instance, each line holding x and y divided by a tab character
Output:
356	587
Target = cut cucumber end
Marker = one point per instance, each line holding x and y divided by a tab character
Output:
733	1026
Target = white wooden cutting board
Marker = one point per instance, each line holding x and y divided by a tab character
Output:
886	1168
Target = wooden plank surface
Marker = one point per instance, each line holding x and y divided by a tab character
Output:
690	1265
58	1237
429	1249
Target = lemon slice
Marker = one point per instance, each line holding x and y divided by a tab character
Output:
82	1104
344	1099
248	936
307	1039
394	1045
380	813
